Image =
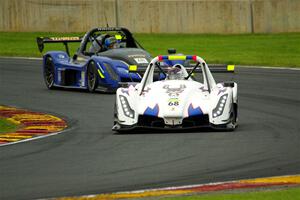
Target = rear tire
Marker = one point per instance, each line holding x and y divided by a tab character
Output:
92	77
49	72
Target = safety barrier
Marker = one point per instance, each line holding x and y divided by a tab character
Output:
152	16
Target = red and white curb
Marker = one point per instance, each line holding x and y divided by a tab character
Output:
31	125
292	180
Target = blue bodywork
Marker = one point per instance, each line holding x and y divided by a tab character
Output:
71	74
94	65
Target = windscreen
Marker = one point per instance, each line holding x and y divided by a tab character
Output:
171	73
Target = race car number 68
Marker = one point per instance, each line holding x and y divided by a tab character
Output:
176	103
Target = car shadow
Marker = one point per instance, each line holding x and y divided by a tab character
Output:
78	90
140	131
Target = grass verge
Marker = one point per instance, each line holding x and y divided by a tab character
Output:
7	126
280	194
246	49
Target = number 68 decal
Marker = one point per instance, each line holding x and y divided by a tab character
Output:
173	102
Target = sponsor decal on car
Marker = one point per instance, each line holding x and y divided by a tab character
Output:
141	60
64	38
174	91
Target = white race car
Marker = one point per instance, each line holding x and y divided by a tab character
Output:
169	97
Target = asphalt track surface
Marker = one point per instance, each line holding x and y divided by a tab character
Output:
89	158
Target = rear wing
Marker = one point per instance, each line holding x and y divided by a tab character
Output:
214	68
65	40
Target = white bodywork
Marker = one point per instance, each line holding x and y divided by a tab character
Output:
176	100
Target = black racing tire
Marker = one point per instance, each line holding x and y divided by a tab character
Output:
115	114
92	77
233	124
235	110
116	123
49	72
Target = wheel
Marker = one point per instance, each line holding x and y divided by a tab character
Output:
115	114
233	124
92	77
49	73
235	106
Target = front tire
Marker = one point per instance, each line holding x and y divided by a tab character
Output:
233	124
49	72
92	77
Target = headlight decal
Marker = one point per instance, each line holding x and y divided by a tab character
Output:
128	112
218	110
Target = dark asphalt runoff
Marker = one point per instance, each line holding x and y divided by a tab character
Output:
90	158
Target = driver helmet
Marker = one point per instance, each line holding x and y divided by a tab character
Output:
175	73
111	43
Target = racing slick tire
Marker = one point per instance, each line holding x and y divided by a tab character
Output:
116	125
92	77
233	123
49	72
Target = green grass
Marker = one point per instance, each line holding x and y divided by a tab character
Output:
7	126
274	50
24	44
246	49
283	194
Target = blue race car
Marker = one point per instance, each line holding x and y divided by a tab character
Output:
105	58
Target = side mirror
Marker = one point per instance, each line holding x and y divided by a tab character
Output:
171	51
228	84
127	84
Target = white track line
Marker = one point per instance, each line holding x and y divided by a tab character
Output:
268	67
244	66
35	138
21	58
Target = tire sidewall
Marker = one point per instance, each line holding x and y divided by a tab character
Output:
92	67
49	61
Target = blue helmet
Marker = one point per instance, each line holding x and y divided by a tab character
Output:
110	42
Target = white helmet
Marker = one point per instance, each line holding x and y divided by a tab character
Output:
175	72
